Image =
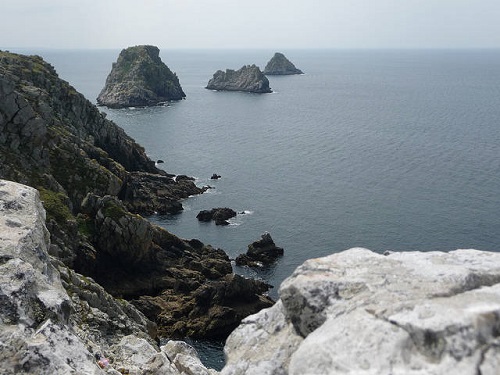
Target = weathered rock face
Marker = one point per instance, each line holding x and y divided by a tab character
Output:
91	177
55	321
249	79
280	65
138	79
263	252
358	312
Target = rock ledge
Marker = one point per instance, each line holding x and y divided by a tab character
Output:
359	312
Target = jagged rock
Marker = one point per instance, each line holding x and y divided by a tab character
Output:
215	176
56	321
263	252
358	312
185	358
249	78
219	215
139	78
280	65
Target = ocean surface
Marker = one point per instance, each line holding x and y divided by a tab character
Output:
385	149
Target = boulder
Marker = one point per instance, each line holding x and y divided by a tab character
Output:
359	312
280	65
249	79
219	215
139	78
263	252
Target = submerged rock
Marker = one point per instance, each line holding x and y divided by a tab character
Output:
249	78
280	65
263	252
359	312
139	78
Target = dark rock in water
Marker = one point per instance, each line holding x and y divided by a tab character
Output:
263	252
159	161
249	78
139	78
280	65
215	176
219	215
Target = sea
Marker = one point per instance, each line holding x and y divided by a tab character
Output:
391	150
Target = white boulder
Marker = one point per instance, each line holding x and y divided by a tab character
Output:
359	312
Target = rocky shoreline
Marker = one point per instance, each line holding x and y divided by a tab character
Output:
95	182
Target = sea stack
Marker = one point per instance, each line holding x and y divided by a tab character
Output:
249	79
139	79
279	65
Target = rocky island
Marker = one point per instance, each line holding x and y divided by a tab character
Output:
139	78
248	79
280	65
95	182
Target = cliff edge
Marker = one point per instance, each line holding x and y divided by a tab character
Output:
95	182
248	79
359	312
279	65
138	79
56	321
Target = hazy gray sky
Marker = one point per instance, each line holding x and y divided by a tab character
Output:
250	24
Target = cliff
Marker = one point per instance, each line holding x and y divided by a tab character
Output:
280	65
56	321
358	312
95	182
249	79
139	78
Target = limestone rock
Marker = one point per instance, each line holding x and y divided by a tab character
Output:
55	321
249	78
280	65
139	78
263	252
358	312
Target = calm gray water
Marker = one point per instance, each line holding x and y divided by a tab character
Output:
389	150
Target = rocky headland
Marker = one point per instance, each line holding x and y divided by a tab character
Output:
279	65
139	78
359	312
248	79
95	182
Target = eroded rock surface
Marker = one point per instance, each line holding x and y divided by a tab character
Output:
358	312
56	321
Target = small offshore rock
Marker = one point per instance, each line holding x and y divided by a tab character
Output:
138	79
249	79
280	65
219	215
263	252
215	176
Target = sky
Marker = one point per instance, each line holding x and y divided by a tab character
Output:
250	24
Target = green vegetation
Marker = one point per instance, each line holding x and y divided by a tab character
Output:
55	205
113	210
